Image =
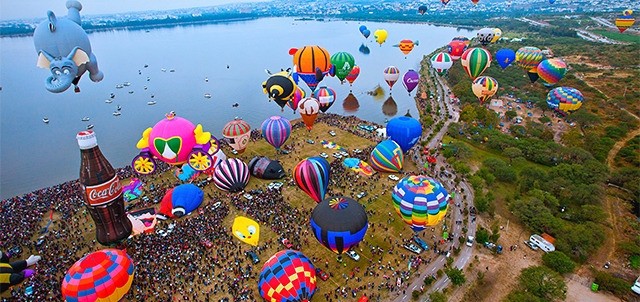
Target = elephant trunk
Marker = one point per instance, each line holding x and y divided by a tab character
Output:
59	84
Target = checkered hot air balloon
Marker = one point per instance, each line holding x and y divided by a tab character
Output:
387	157
276	130
420	201
564	99
475	61
288	276
105	275
552	70
339	223
312	176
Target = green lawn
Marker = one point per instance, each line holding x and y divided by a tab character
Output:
623	37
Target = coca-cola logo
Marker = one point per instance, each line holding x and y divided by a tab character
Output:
103	193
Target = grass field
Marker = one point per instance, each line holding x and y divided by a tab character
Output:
618	36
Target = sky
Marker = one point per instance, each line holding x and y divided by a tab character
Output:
29	9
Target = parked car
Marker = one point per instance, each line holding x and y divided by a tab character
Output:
470	240
531	245
248	196
310	141
344	154
324	155
255	192
332	133
253	256
321	274
357	151
423	245
393	177
412	248
361	194
286	243
337	155
40	241
353	255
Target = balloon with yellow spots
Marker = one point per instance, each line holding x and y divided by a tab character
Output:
246	229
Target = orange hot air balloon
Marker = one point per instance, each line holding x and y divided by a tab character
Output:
309	108
406	46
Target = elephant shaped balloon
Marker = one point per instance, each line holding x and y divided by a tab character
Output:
64	48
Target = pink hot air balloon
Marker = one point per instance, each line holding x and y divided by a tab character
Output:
410	80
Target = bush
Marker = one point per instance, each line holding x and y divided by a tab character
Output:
482	236
608	282
559	262
415	294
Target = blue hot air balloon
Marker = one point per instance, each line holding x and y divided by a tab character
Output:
185	199
276	130
339	223
505	57
405	131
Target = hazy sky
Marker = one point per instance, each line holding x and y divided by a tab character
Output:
28	9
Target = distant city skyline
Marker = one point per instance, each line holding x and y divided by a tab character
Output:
12	9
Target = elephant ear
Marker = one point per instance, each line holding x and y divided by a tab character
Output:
44	60
78	56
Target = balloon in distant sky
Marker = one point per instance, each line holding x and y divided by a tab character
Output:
552	70
391	75
564	99
626	20
484	88
406	46
380	35
475	1
441	62
475	61
410	80
505	57
309	108
552	1
362	28
422	9
366	33
485	36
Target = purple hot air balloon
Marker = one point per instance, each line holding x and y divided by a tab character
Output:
276	130
410	80
231	175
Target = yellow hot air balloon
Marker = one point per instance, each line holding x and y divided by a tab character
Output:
484	88
497	34
380	35
247	230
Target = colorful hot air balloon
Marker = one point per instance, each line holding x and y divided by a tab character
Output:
280	87
288	276
484	88
105	275
475	61
387	157
475	1
309	108
505	57
231	175
497	34
391	75
626	20
185	199
265	168
406	46
529	57
406	131
246	229
353	75
326	97
238	132
276	130
312	176
564	100
339	223
485	36
365	31
380	35
298	95
441	62
552	70
343	63
422	9
463	39
410	80
311	61
420	201
456	48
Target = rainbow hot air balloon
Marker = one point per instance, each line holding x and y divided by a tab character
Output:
475	61
309	108
276	130
326	97
484	88
105	275
298	95
441	62
387	157
342	63
505	57
456	48
391	75
529	57
312	176
339	223
406	46
406	131
485	36
312	63
552	70
380	35
231	175
288	276
564	100
353	75
626	20
420	201
410	80
238	133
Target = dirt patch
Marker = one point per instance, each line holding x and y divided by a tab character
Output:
579	289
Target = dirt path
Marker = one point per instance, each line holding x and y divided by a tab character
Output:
618	145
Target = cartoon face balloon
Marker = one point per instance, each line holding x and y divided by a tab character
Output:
238	133
247	230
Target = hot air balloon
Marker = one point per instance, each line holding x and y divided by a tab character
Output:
185	199
387	157
497	34
552	70
312	176
485	36
445	2
280	87
475	61
326	97
365	31
420	201
484	88
288	276
339	223
441	62
406	46
263	167
353	75
626	20
342	63
238	133
391	75
529	57
380	35
533	75
410	80
246	229
298	95
405	131
309	108
564	100
231	175
311	61
505	57
475	1
276	130
422	9
463	39
456	49
105	275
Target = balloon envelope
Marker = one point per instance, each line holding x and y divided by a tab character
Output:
528	57
485	36
387	157
456	49
380	35
624	21
231	175
312	176
246	229
353	75
484	88
276	130
326	97
280	87
420	201
343	63
309	108
391	75
552	70
265	168
565	99
475	61
287	276
238	132
185	199
441	62
410	80
405	131
309	60
339	223
505	57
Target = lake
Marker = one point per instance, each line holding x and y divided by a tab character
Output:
35	155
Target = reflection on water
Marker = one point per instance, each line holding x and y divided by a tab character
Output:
350	103
408	114
377	93
389	107
364	49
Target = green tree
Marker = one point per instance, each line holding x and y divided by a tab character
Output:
482	235
543	282
585	119
510	114
520	296
437	297
559	262
511	153
468	114
456	275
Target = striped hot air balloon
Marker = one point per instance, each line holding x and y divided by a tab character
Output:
276	130
312	64
484	88
238	133
475	61
288	276
339	223
529	57
312	176
387	157
420	201
391	75
326	97
441	62
231	175
626	20
564	100
105	275
343	63
552	70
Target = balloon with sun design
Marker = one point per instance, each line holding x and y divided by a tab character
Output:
339	223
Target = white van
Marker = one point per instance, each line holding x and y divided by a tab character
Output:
636	286
542	243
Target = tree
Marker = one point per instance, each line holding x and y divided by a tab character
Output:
510	114
456	275
511	153
482	235
585	119
559	262
520	296
544	283
437	297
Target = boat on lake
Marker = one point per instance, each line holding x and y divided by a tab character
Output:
45	120
90	126
151	102
207	95
85	119
117	113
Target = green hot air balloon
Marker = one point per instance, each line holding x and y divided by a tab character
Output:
343	62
